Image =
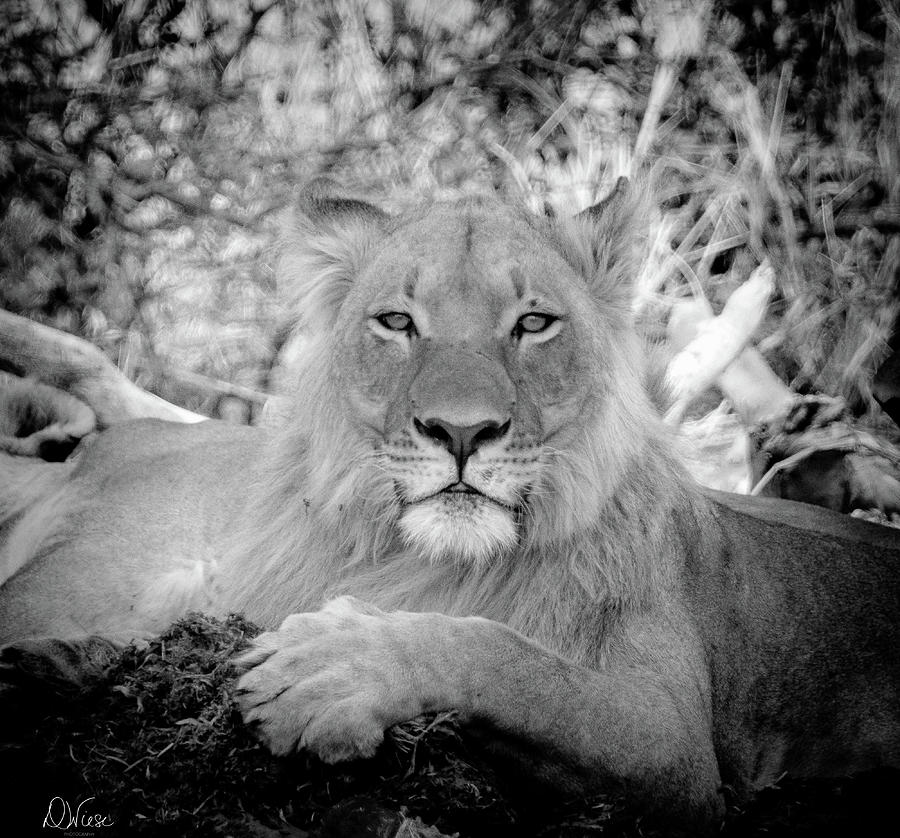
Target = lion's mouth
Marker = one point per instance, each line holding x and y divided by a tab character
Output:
460	488
462	494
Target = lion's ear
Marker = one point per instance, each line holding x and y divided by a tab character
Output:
604	242
325	242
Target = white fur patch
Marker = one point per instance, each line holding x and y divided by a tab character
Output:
459	527
175	593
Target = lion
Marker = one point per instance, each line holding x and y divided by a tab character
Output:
471	477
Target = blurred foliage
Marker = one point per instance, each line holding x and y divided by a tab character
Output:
146	145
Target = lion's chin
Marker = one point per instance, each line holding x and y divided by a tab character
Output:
459	527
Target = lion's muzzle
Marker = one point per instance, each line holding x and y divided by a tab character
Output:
461	398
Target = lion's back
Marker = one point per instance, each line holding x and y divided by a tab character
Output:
126	534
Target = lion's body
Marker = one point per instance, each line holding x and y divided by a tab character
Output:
470	437
165	563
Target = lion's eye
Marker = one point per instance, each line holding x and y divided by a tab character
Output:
532	323
396	321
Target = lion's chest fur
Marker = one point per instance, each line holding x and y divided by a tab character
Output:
541	600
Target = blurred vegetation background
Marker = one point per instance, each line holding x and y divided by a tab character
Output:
147	146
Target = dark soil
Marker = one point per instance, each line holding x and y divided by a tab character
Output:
159	746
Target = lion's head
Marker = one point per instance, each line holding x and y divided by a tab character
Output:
469	390
479	354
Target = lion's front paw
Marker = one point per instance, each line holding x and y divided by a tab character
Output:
330	681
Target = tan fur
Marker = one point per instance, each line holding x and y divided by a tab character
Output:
560	580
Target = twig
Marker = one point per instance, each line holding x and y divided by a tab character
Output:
217	385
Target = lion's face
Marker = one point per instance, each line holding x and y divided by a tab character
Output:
474	369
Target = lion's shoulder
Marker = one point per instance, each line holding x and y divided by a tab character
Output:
790	566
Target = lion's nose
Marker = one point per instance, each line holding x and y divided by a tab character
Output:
461	440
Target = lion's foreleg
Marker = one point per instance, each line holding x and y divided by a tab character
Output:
625	725
332	681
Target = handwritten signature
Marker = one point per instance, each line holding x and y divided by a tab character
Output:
60	815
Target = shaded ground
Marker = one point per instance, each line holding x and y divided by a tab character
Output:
159	746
